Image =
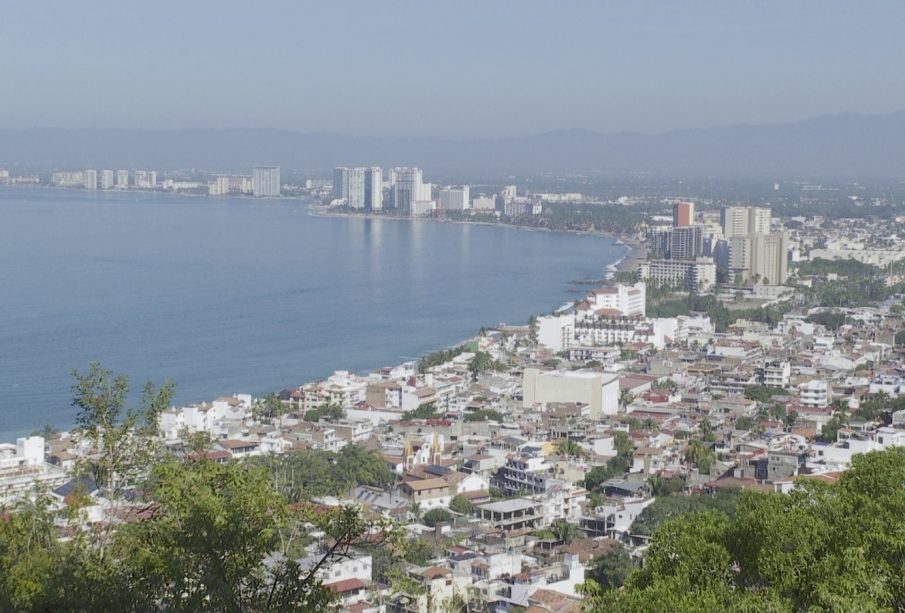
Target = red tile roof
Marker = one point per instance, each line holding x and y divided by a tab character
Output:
346	585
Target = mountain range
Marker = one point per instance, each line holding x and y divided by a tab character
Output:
846	145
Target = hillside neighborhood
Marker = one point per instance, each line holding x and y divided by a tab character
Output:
747	353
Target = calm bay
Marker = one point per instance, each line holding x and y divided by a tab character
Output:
241	295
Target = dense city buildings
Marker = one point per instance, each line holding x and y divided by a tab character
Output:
733	348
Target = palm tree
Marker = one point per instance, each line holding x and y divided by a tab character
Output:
415	511
565	532
570	448
625	398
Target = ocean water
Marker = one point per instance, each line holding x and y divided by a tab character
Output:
242	295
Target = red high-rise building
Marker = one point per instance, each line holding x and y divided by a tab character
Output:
682	214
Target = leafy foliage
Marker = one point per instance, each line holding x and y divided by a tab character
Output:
669	507
484	415
118	434
436	516
425	411
819	548
201	546
436	358
611	570
616	466
330	412
460	504
719	314
301	476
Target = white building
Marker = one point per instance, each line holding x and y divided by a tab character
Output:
745	220
356	195
769	257
815	393
89	179
455	199
616	300
777	374
341	388
341	183
483	203
373	188
106	177
122	179
408	189
556	332
266	180
22	467
597	390
696	275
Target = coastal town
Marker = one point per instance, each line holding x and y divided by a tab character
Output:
736	347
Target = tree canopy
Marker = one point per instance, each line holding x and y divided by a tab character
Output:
821	547
316	472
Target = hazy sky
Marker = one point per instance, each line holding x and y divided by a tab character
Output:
455	68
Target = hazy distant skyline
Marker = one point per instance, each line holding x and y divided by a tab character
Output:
451	69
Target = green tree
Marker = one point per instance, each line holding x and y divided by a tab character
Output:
699	454
532	328
121	436
571	449
329	412
610	570
484	415
425	411
565	532
818	548
461	505
436	516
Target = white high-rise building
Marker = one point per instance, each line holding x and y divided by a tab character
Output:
122	179
483	203
740	255
106	179
266	181
89	178
373	188
356	197
508	193
694	275
455	199
140	179
744	220
759	219
341	183
769	258
734	220
152	179
686	242
408	189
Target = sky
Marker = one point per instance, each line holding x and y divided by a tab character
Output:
454	69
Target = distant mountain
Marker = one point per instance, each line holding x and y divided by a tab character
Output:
847	145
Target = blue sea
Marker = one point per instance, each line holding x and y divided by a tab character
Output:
242	295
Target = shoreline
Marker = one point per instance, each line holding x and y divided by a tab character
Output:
316	210
634	253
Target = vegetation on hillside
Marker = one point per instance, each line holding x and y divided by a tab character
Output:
819	548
